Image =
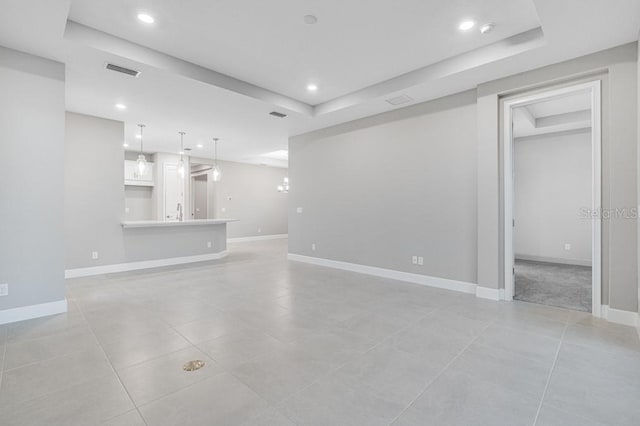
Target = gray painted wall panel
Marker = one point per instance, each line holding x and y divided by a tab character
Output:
552	189
32	188
379	190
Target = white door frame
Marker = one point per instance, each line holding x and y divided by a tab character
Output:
596	185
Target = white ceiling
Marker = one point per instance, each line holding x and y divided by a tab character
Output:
555	115
355	44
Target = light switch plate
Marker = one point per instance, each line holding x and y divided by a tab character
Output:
420	260
567	247
414	260
209	244
4	290
299	209
94	255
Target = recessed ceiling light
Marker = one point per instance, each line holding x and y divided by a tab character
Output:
312	87
466	25
121	106
125	145
486	28
146	18
200	146
310	19
138	136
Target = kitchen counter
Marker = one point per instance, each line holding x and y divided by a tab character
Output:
165	224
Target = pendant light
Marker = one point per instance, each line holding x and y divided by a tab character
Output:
141	162
181	167
217	174
284	187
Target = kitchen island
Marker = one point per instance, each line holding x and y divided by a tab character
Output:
154	243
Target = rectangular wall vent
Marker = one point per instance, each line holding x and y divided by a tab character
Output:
123	70
399	100
277	114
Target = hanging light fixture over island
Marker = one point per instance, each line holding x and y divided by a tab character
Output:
141	162
217	174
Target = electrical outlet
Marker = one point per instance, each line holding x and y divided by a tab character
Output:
209	244
313	246
567	247
4	290
299	209
94	255
420	260
414	260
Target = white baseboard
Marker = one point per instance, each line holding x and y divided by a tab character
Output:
620	317
33	311
561	261
145	264
444	283
257	238
489	293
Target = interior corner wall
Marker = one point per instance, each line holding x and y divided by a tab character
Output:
617	70
552	189
382	189
32	175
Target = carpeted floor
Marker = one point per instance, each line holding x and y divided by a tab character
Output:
553	284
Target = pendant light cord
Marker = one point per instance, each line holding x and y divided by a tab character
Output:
141	128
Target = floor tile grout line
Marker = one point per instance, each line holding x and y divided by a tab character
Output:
225	370
553	366
112	367
441	372
334	370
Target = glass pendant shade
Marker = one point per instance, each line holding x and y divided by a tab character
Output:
217	174
141	164
181	168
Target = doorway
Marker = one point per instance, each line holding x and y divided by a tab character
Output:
200	191
551	189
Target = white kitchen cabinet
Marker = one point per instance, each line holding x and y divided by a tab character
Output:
133	178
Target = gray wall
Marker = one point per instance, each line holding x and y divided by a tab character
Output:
138	202
94	204
354	214
380	190
552	185
248	193
32	188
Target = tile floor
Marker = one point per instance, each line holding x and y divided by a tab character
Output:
292	344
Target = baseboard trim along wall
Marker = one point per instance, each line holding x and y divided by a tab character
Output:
33	311
257	238
558	260
444	283
620	317
145	264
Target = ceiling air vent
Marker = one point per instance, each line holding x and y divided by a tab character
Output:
399	100
123	70
277	114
